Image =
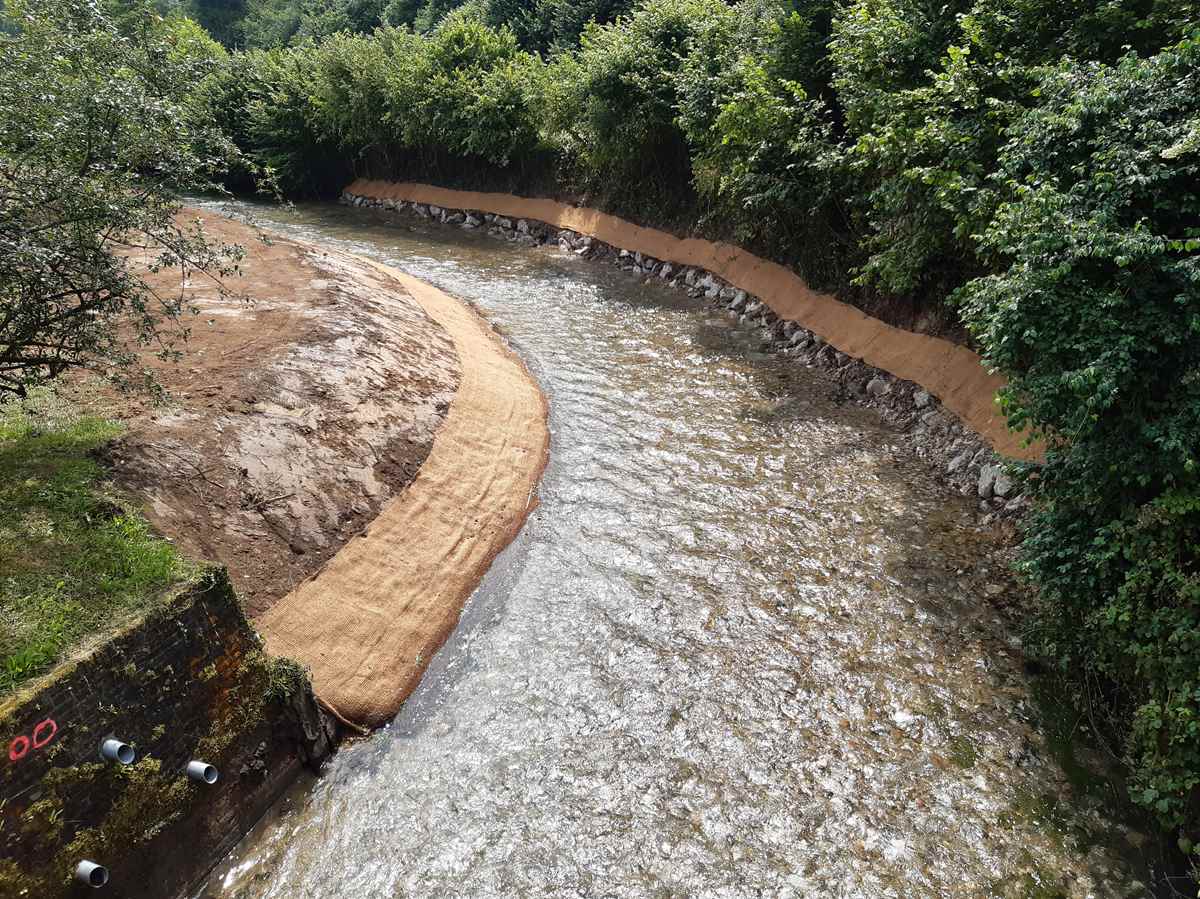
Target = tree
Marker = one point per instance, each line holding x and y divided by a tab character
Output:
322	18
270	23
1093	313
91	167
612	107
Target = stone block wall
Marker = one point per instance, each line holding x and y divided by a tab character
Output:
188	681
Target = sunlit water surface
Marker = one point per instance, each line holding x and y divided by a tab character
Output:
741	649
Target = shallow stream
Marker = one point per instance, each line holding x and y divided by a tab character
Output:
745	646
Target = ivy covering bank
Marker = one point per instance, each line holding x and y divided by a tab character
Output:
1026	172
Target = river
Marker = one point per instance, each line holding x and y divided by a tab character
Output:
744	647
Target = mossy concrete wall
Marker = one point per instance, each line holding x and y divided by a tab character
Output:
188	681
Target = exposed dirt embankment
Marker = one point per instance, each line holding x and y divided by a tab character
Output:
952	373
355	445
298	411
369	623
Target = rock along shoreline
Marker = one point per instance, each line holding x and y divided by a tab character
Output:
961	457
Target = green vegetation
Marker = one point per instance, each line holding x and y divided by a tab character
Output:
1027	173
266	24
92	162
75	559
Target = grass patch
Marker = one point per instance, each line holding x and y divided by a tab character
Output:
76	558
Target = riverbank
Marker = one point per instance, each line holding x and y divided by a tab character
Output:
186	682
937	392
357	451
309	396
368	624
337	435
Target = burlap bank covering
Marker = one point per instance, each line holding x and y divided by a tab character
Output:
952	373
368	623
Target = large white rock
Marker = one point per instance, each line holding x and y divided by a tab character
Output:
987	481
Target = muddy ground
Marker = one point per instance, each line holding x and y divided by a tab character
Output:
299	408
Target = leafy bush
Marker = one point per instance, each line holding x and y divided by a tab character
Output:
311	114
282	124
928	91
611	109
469	91
764	152
1094	315
269	23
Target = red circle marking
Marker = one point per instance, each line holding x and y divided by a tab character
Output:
18	748
38	740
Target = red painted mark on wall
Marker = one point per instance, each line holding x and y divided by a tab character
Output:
43	733
18	748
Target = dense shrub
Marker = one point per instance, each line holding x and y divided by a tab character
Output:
765	155
281	122
469	90
613	106
313	114
1094	314
268	23
928	91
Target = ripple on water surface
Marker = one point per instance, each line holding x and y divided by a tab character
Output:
738	651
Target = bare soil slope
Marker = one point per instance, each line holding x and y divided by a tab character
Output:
294	417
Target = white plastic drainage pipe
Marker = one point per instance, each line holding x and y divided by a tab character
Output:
91	874
116	751
202	772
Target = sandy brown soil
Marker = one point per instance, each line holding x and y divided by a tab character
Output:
952	373
369	623
294	417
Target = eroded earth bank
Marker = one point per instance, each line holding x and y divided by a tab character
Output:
309	395
355	445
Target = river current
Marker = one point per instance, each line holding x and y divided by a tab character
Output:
743	648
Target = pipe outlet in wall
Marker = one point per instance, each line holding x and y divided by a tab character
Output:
202	772
116	751
91	874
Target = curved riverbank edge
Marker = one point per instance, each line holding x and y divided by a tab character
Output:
950	372
368	624
308	398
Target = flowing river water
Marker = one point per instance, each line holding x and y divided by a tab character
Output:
744	647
